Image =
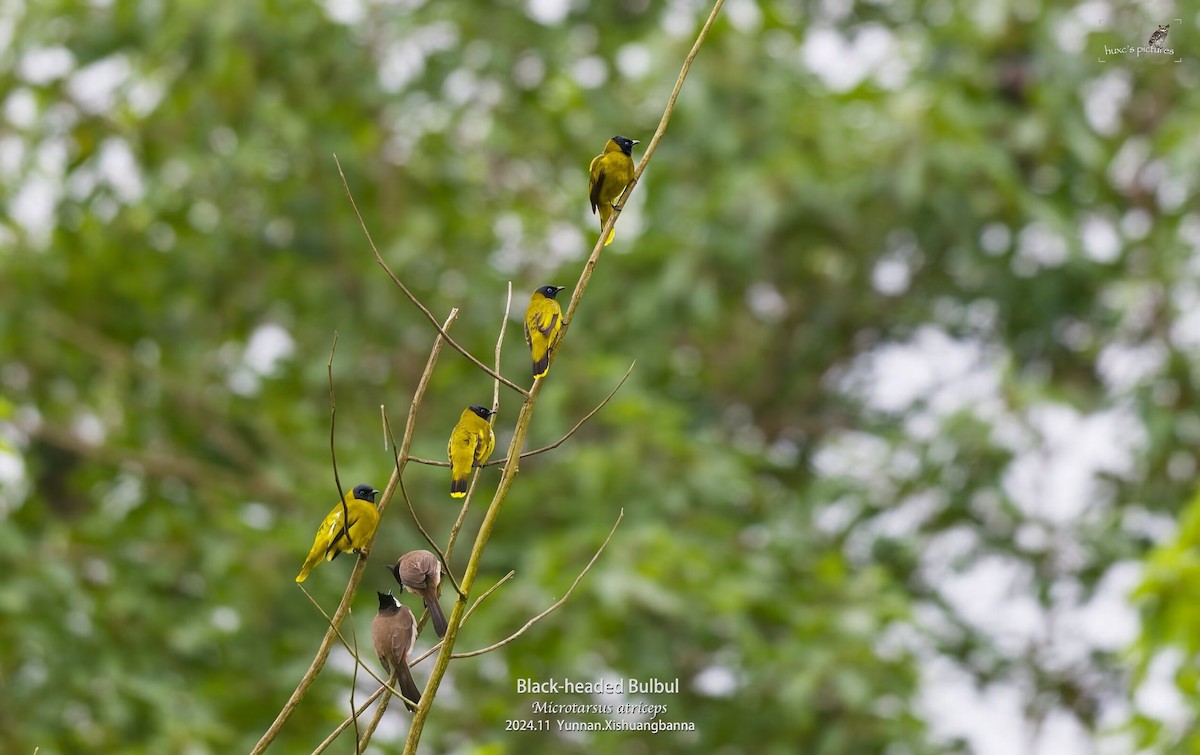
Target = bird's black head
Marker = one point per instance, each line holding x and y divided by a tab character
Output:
386	601
482	411
550	291
365	493
625	143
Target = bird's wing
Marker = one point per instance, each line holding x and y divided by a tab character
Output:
595	193
402	638
548	328
485	444
462	446
596	174
333	522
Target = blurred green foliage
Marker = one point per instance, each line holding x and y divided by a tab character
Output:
165	327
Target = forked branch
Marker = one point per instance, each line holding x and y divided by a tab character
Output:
555	444
521	429
412	662
356	575
412	297
558	603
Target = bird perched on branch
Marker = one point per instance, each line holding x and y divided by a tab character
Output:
394	632
610	172
331	537
420	573
471	443
543	323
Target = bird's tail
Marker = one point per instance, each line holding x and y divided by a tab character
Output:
312	560
541	366
458	486
606	211
408	687
435	615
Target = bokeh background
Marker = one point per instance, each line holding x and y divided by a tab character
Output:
907	459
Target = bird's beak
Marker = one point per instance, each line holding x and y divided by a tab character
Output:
374	492
635	141
560	288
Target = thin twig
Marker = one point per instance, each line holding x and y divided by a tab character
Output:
375	719
462	517
552	608
353	651
466	505
356	575
354	677
383	704
386	434
552	446
332	453
466	616
577	294
521	428
586	417
499	345
387	428
346	724
441	556
414	299
374	696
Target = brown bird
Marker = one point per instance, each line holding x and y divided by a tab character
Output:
420	573
393	630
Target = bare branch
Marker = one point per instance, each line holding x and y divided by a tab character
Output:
387	428
579	424
466	504
428	462
413	298
552	446
353	651
466	616
333	454
499	345
345	724
375	719
521	427
462	517
353	677
577	294
441	556
552	608
356	575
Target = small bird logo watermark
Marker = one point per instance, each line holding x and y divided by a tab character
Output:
1155	46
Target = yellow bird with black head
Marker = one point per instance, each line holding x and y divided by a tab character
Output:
471	443
331	540
543	325
609	174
